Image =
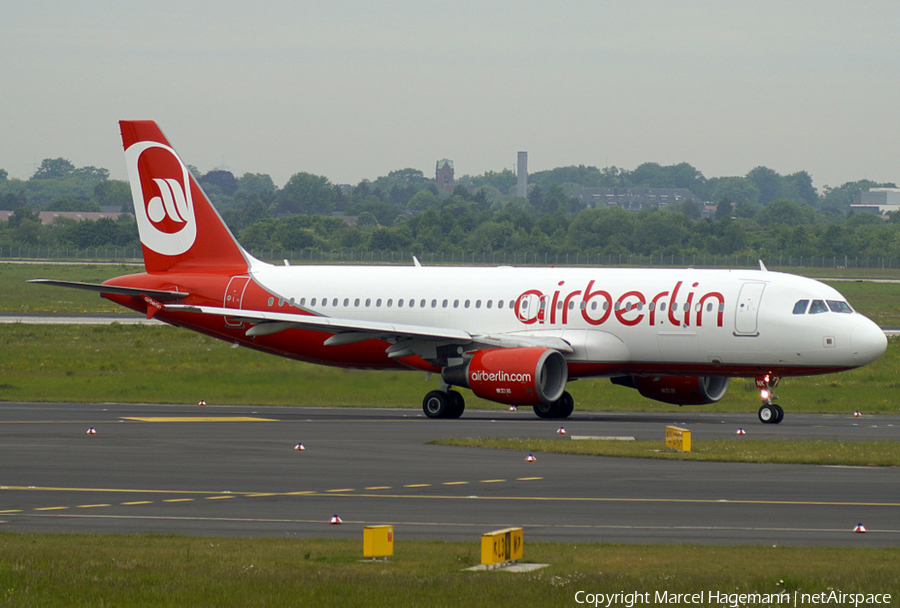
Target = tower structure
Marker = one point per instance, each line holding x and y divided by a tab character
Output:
522	176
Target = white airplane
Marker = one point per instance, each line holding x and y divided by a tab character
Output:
512	335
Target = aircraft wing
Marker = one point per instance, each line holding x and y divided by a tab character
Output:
406	339
161	295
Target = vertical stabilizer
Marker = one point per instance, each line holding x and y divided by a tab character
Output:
179	227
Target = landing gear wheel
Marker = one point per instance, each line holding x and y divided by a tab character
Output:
437	404
457	404
768	414
565	405
546	410
779	414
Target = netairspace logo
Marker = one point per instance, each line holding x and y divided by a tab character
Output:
731	600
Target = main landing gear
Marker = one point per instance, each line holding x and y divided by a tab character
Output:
561	408
769	413
443	404
450	404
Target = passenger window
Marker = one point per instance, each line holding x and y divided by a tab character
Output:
467	303
368	302
499	303
271	301
477	303
412	303
399	303
378	303
444	304
455	303
422	304
346	302
433	303
313	302
334	302
356	302
838	306
818	306
490	303
302	301
800	307
389	302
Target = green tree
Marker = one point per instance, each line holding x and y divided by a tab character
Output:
307	194
54	168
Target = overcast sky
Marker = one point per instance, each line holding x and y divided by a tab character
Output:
354	89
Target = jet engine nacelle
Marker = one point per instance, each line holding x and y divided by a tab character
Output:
678	390
514	376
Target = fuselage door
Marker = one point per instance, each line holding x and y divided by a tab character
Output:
747	313
234	294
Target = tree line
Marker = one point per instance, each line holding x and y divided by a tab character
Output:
763	214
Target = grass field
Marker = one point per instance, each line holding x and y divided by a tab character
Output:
75	570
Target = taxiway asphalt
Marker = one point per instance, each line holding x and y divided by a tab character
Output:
234	470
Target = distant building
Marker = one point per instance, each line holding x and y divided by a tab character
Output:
879	201
522	176
443	175
635	199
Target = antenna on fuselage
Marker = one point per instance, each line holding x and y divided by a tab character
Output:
763	266
416	262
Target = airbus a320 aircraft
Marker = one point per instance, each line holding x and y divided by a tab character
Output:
512	335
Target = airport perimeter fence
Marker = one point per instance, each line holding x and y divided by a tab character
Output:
133	255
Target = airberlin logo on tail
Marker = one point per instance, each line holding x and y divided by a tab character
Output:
163	205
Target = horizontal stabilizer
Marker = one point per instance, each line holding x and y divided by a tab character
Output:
157	294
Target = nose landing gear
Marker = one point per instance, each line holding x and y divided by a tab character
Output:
769	412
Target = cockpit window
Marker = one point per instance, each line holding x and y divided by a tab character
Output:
839	306
800	307
817	307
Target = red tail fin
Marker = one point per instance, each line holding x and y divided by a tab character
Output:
179	227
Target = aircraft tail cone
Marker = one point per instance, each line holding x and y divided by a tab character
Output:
530	458
335	520
860	529
299	447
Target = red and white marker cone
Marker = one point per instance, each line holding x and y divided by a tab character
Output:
741	432
335	520
513	408
561	431
92	431
202	403
860	529
530	458
856	414
299	447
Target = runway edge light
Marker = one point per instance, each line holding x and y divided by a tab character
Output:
530	458
561	431
202	402
335	520
299	447
92	431
860	529
856	414
741	432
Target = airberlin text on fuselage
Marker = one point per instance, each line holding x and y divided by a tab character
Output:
678	306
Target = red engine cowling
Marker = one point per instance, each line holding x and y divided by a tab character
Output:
682	390
515	376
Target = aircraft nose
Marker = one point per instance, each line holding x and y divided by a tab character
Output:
868	342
